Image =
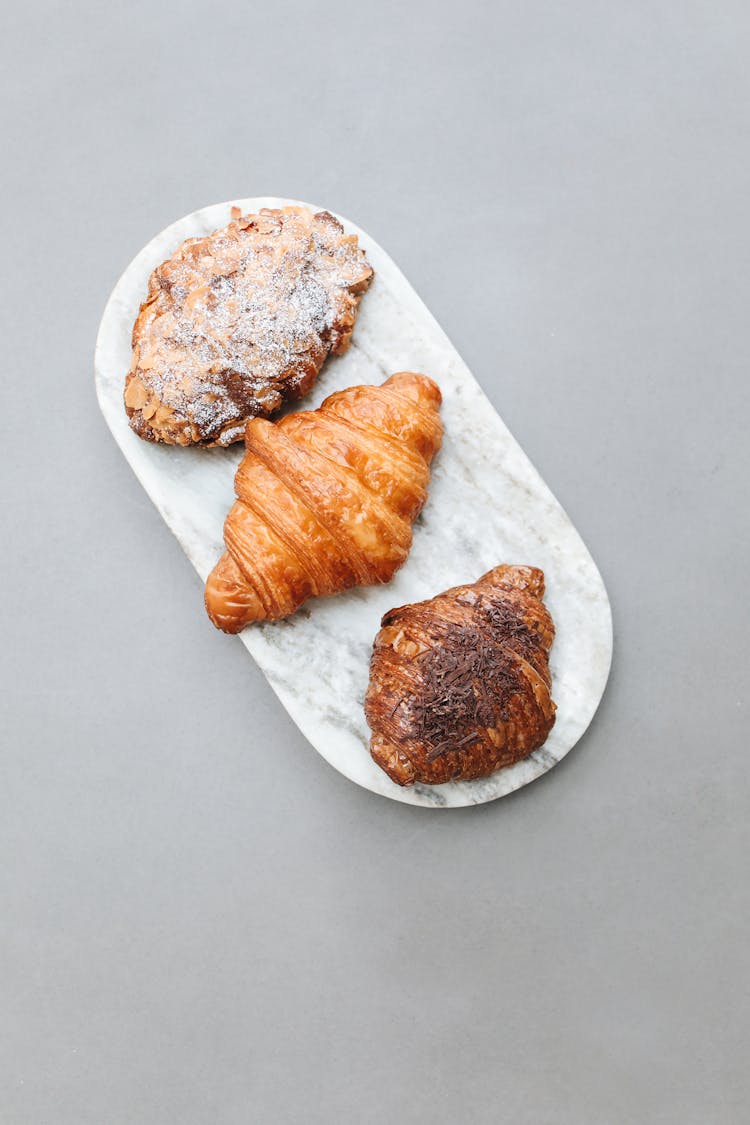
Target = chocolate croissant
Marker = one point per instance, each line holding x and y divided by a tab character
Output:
460	685
325	500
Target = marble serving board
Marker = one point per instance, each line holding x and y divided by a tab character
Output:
487	505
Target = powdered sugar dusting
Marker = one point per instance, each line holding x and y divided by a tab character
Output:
239	321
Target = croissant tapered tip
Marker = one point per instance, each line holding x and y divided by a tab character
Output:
257	425
392	761
230	602
528	578
416	386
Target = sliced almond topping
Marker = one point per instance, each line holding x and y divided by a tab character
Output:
136	394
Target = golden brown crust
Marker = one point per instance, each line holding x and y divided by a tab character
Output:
325	500
460	684
237	322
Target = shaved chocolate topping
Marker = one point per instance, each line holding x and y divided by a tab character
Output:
467	681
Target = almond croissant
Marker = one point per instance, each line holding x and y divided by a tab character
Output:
459	685
325	500
239	321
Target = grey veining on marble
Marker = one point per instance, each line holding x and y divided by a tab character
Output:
487	505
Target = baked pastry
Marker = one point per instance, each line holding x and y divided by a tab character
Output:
239	321
460	685
325	500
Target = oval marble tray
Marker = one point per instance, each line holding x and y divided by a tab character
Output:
487	505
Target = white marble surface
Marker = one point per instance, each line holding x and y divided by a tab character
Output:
487	505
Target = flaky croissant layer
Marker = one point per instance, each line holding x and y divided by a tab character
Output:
326	499
460	684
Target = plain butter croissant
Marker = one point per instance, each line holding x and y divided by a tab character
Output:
325	500
460	685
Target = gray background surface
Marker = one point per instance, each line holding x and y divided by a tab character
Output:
200	921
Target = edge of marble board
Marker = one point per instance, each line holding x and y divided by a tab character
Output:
452	794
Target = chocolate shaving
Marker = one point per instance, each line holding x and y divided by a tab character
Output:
466	683
449	744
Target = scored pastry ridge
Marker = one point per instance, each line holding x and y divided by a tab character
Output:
239	321
325	500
